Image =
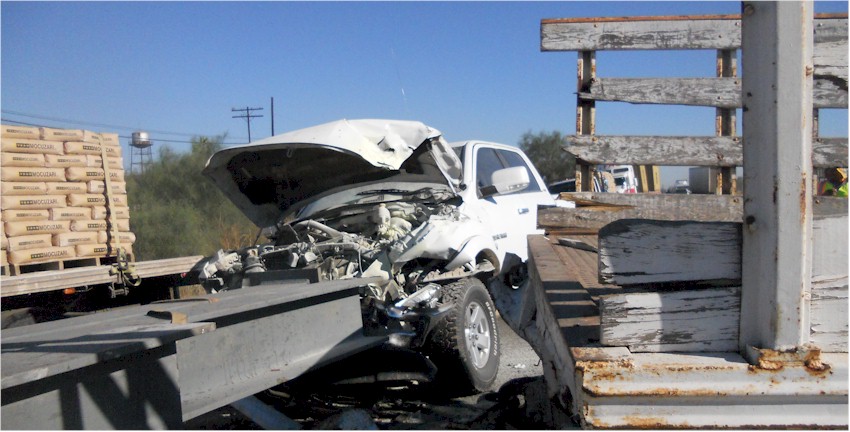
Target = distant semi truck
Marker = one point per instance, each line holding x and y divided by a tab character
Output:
703	180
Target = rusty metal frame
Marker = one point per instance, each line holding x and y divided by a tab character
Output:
617	390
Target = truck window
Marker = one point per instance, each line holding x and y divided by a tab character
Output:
487	162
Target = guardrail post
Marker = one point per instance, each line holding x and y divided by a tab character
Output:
777	42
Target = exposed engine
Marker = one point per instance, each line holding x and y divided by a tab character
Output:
385	240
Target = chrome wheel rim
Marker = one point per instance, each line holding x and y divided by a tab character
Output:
477	335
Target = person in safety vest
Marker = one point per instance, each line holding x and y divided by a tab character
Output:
835	183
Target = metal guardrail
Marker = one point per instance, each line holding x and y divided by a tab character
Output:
158	365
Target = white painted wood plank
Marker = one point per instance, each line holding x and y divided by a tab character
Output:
829	91
656	33
657	150
829	322
631	35
634	251
829	152
713	92
687	150
830	59
829	246
693	320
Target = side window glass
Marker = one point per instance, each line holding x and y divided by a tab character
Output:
515	160
486	162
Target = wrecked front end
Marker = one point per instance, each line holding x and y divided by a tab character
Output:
414	248
350	199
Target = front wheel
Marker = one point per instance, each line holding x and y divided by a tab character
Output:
465	343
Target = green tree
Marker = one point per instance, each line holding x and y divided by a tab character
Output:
177	211
546	151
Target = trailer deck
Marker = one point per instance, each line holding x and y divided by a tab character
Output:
616	387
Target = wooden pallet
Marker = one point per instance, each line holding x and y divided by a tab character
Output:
19	269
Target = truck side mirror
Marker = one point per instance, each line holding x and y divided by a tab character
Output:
507	180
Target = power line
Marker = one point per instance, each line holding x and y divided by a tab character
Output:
104	125
248	116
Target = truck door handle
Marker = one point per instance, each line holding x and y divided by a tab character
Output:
523	210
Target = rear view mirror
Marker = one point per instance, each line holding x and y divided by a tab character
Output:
507	180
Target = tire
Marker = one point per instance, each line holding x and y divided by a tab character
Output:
464	345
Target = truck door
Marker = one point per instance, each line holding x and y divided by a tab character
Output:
513	216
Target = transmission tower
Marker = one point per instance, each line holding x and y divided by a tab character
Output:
247	115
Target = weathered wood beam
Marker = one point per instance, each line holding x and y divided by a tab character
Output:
830	48
829	152
829	92
687	150
634	251
829	308
707	208
659	33
829	314
585	115
704	320
643	206
725	119
829	206
565	35
829	241
657	150
712	92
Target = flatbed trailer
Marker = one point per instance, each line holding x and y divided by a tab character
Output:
161	364
81	277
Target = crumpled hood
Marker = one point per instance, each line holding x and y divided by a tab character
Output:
276	176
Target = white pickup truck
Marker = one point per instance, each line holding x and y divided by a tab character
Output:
436	222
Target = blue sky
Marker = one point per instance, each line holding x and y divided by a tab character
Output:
473	70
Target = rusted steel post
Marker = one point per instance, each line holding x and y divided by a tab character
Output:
777	129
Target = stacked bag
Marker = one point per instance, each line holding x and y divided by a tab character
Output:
54	200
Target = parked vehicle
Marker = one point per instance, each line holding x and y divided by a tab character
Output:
625	180
561	186
681	187
390	199
703	180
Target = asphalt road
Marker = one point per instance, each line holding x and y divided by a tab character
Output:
518	360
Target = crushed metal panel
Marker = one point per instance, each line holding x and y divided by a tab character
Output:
126	369
121	378
270	177
239	360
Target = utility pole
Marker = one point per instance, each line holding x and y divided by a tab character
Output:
247	115
272	115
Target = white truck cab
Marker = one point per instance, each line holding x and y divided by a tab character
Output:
511	214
